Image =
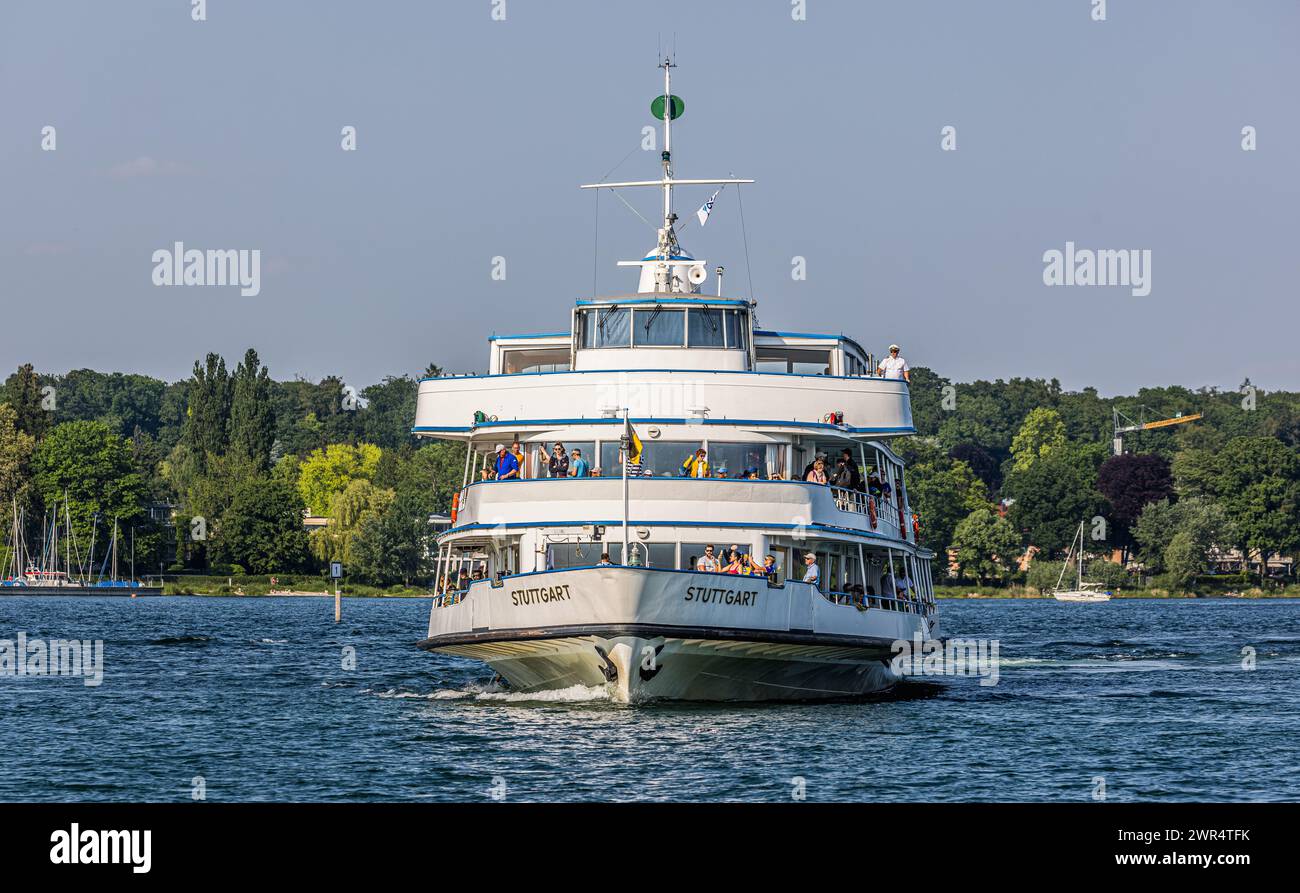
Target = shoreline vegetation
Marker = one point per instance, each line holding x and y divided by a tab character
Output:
223	480
1025	592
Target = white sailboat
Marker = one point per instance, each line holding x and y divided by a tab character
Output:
1082	592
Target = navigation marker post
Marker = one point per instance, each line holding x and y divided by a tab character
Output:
336	572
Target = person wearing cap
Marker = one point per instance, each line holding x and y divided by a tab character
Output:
813	573
894	366
507	466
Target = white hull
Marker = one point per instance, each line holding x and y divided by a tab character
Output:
1076	595
674	635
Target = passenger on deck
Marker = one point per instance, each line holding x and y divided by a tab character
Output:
708	561
818	473
856	472
894	366
770	570
604	560
845	474
696	465
578	466
888	588
559	462
518	453
904	586
735	561
809	467
813	573
507	466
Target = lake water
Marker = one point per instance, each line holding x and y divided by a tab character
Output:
251	695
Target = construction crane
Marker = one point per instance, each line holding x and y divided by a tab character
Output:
1125	425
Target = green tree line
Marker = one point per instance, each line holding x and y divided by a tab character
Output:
1005	469
214	473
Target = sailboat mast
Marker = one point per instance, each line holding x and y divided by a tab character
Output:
1080	585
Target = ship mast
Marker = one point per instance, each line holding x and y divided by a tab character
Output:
668	235
667	268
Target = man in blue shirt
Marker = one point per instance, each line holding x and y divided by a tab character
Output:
813	573
578	465
507	466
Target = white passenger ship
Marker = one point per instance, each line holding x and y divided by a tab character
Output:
683	370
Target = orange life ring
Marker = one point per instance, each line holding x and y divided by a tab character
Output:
871	510
455	505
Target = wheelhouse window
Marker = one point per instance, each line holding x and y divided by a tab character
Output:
715	327
606	327
658	327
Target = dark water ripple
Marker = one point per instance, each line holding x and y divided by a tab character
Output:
251	695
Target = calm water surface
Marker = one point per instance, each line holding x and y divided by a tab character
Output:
251	695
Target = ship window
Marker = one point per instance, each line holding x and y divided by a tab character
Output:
705	328
659	554
657	327
721	552
607	327
550	360
709	327
735	329
658	458
734	458
562	555
801	361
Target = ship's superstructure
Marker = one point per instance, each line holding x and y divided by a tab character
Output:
661	432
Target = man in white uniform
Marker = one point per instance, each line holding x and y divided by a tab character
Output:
894	366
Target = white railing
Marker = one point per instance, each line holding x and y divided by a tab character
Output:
884	510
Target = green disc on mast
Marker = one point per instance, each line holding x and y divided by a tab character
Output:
657	107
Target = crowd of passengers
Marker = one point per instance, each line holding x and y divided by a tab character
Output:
508	464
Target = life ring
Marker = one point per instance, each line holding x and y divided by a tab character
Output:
902	522
455	505
871	510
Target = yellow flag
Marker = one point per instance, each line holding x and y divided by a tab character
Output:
634	445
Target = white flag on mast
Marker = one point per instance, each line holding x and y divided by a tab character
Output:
703	212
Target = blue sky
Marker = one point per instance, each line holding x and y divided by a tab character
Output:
473	135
